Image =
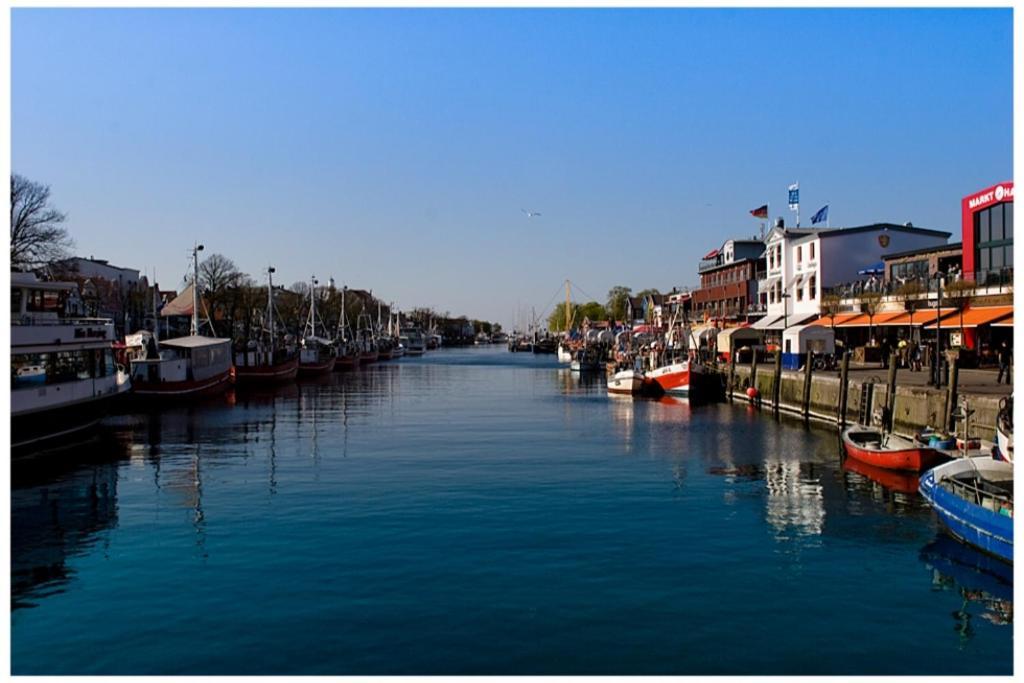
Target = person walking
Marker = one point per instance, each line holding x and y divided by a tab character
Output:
1004	362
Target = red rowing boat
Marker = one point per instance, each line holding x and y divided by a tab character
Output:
888	451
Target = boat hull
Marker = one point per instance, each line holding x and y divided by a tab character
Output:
267	374
43	428
367	358
177	391
910	459
627	382
972	524
564	355
673	379
314	369
346	362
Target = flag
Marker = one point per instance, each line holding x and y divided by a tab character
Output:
822	215
794	197
760	212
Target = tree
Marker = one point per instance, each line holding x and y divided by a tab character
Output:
909	294
618	298
829	307
556	321
37	237
217	276
870	303
592	310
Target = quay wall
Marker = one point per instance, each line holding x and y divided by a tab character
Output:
915	407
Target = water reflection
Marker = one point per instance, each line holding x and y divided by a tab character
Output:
60	510
984	584
795	501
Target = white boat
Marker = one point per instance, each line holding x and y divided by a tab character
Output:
414	343
184	367
63	372
564	354
625	382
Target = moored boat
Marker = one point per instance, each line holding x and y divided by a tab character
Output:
64	377
973	498
626	382
317	355
267	360
889	451
674	378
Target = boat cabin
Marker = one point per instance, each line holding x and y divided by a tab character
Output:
183	359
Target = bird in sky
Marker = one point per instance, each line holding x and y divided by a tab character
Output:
530	214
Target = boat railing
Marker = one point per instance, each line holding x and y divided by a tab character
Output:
36	320
979	495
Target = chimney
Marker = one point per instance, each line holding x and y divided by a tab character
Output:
780	222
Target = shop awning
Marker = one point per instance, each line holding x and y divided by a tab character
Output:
781	322
767	322
864	320
1005	322
973	317
839	319
921	317
181	305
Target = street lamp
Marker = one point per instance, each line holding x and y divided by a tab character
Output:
937	364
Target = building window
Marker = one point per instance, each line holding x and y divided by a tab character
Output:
811	248
799	255
800	290
993	234
812	287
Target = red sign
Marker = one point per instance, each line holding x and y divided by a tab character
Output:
1002	192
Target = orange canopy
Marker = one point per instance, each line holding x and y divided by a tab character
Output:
921	316
972	317
1005	322
839	319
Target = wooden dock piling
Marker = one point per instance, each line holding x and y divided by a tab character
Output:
806	399
844	388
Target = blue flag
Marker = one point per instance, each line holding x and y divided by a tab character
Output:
822	215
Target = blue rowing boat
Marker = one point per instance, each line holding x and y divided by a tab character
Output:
973	498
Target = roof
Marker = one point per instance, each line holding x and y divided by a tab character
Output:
30	281
890	227
180	305
973	317
193	342
957	246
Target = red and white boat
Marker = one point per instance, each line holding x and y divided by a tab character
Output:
674	378
873	446
317	355
626	382
265	361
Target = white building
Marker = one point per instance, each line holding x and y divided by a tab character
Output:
802	262
92	268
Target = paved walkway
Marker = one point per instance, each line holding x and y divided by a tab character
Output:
982	382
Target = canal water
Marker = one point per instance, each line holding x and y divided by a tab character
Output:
476	511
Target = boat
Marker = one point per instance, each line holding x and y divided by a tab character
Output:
674	378
267	360
345	346
1004	430
586	359
498	338
183	368
875	447
545	345
64	377
317	355
626	382
564	353
973	498
413	341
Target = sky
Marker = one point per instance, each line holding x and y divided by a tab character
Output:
395	149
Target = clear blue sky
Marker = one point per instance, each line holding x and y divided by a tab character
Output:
394	149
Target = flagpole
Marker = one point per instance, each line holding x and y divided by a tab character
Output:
828	215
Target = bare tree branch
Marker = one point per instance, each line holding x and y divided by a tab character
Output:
37	238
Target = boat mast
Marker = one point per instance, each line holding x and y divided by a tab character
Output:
195	289
311	323
341	319
567	307
270	306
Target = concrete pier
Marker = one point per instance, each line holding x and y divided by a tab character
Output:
913	409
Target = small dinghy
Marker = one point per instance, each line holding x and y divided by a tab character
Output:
872	446
626	382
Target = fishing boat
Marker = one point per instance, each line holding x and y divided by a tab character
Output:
626	382
875	447
586	359
346	350
564	353
675	378
1004	430
64	378
266	360
973	498
183	368
413	341
317	355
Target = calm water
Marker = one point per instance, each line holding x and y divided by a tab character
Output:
476	511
